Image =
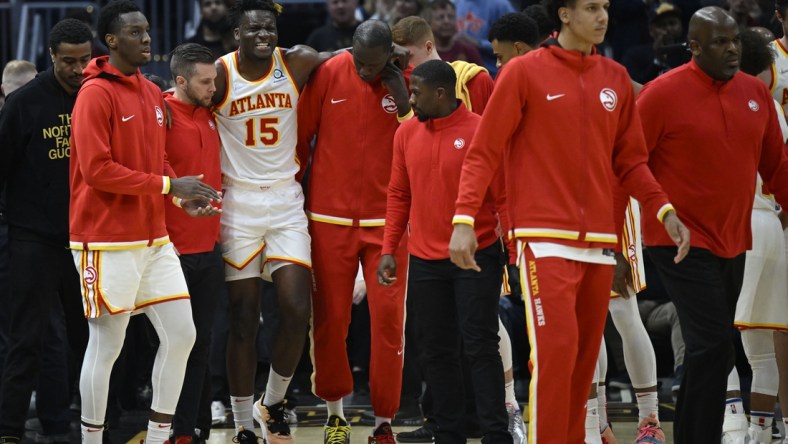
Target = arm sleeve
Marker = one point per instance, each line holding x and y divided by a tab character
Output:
630	164
493	134
399	197
310	107
480	89
91	131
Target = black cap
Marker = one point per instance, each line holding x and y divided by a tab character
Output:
665	9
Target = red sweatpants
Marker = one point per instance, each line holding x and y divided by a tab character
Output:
336	251
565	310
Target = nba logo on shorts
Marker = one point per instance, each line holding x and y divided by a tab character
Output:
388	104
159	116
90	275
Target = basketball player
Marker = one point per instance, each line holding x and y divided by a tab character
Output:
118	235
263	227
565	240
353	105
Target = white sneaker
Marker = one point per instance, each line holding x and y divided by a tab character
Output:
759	435
734	429
516	425
218	413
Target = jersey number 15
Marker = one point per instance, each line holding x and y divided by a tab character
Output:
268	133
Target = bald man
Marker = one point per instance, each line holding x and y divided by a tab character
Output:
721	130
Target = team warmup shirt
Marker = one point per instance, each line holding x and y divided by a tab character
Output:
258	126
118	169
355	123
708	139
570	123
192	149
425	175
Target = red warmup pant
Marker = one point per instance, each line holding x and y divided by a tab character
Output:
336	251
565	310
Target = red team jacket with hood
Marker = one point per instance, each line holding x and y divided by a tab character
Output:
355	123
558	131
118	169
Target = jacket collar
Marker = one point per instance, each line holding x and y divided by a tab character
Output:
452	119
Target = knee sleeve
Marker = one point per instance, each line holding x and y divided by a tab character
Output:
504	346
175	328
759	348
639	355
104	344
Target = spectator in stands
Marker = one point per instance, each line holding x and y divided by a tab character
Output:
85	15
15	74
545	25
666	51
746	13
475	18
442	17
337	33
381	9
215	30
406	8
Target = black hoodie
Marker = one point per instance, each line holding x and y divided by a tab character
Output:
35	130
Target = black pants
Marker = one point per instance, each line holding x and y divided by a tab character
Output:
457	306
704	288
41	276
204	274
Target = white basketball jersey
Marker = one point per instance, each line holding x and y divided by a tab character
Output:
257	124
779	86
763	199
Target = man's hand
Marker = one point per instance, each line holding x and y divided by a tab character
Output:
678	233
394	81
200	208
387	270
400	56
463	246
622	277
192	187
514	281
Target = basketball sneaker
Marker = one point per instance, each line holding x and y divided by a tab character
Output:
218	413
734	429
382	435
273	422
649	432
516	425
183	439
423	434
245	437
759	435
608	437
336	431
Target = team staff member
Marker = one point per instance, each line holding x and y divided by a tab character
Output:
192	149
364	94
566	239
118	234
736	136
35	124
451	303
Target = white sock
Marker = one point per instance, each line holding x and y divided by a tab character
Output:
601	398
593	435
648	404
335	408
92	435
158	432
242	412
761	419
380	420
734	406
276	389
510	398
785	423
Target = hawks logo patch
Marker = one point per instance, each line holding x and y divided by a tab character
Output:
159	116
388	104
90	275
608	98
211	124
753	105
459	143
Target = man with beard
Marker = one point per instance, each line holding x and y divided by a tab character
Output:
215	31
118	235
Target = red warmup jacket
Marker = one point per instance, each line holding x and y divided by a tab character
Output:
480	88
192	149
354	122
425	175
707	139
118	169
570	123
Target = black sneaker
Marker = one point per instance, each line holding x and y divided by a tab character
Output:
422	434
245	437
274	421
336	431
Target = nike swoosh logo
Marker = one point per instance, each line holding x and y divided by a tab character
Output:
557	96
126	119
399	352
334	101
